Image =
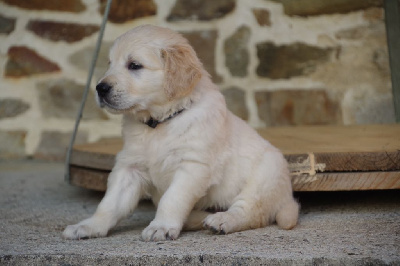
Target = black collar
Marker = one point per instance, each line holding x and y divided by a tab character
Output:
154	123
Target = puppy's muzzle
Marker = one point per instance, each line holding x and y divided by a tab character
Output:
103	89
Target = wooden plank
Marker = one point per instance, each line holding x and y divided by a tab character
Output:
97	180
308	149
392	18
320	158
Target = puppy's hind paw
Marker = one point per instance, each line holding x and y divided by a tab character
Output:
160	232
218	223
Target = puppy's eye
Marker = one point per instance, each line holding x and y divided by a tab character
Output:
134	66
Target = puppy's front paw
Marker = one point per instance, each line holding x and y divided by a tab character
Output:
219	223
85	229
160	232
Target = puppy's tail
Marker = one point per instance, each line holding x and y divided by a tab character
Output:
288	214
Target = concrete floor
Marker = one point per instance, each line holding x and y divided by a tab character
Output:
341	228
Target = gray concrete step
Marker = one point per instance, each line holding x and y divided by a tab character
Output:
341	228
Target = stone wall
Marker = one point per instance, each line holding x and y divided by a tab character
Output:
278	62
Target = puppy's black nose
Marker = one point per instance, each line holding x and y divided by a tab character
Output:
103	89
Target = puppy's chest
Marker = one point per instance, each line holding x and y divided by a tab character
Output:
161	156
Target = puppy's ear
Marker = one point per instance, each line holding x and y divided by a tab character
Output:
182	70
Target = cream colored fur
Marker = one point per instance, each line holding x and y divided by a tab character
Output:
204	157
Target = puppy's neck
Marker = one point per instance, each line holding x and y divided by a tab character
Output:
158	114
154	123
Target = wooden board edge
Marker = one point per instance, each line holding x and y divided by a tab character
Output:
347	181
357	161
88	178
97	180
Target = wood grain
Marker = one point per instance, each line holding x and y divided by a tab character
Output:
359	161
347	181
89	178
334	139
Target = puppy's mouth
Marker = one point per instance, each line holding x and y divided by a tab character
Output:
111	107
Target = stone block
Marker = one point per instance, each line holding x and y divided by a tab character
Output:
10	107
236	53
124	10
286	61
374	14
263	16
60	31
12	144
374	32
7	25
297	107
62	99
356	33
83	58
203	43
74	6
318	7
361	63
23	62
365	106
53	145
201	10
235	101
375	110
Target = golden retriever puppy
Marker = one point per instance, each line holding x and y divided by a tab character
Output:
182	147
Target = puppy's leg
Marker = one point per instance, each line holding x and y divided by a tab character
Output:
242	215
122	196
267	197
188	186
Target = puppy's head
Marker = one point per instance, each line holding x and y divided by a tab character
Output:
148	66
